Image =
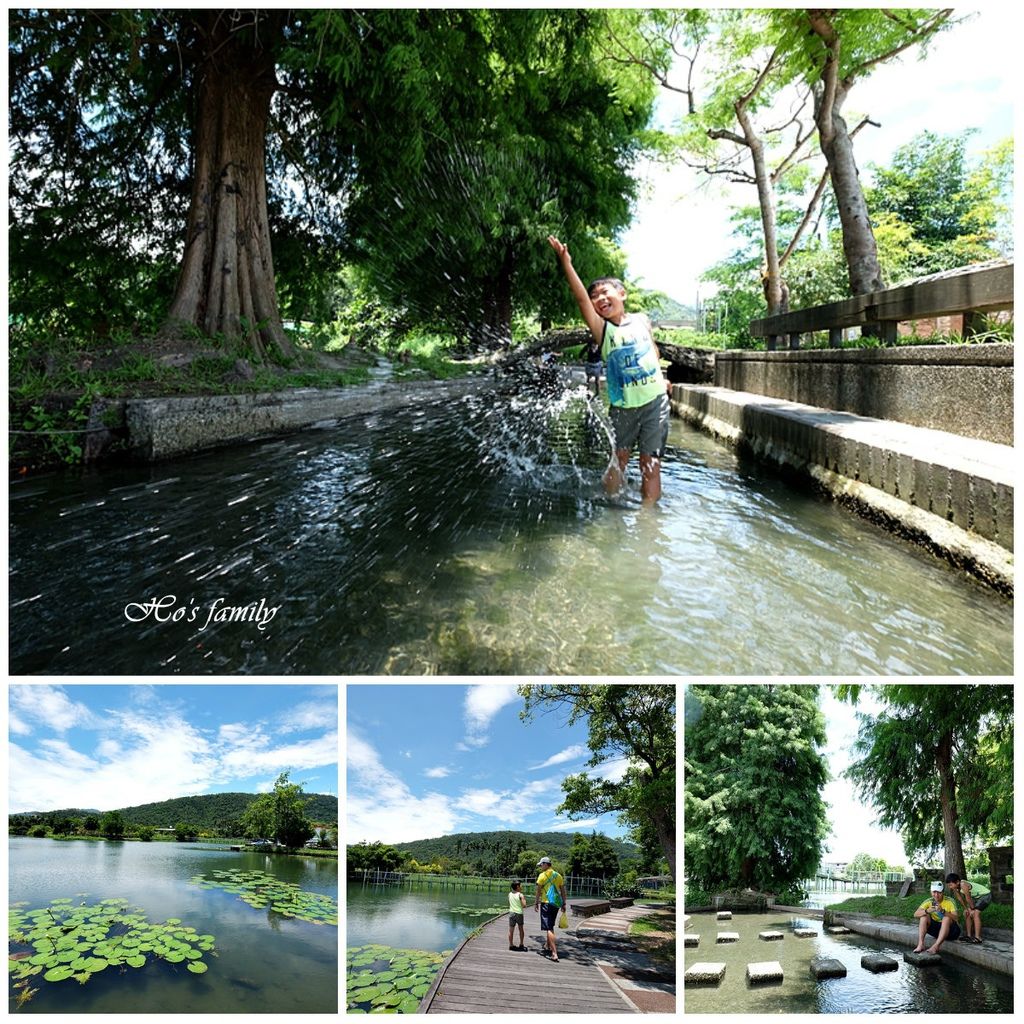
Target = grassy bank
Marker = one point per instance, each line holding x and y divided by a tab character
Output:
995	915
655	934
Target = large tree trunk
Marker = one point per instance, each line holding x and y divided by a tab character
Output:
226	286
830	92
953	859
666	832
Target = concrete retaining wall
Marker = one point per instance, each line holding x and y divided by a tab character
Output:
162	428
963	389
952	494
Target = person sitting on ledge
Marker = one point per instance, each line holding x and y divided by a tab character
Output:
972	900
938	918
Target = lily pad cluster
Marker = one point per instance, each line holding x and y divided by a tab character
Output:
386	980
67	941
264	891
478	911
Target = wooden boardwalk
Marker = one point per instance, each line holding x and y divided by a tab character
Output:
484	976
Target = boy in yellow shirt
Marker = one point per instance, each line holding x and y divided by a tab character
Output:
937	917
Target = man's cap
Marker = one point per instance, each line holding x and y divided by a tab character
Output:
937	887
543	860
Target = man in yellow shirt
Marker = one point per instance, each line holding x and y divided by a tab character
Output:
937	917
550	899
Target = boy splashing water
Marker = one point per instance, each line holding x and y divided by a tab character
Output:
637	390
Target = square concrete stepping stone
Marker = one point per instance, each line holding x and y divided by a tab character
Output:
921	959
838	929
771	936
769	970
704	974
805	933
878	962
827	967
691	940
724	915
728	937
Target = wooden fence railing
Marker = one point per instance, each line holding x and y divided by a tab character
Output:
972	293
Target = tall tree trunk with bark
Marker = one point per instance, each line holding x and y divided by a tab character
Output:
226	286
830	92
953	857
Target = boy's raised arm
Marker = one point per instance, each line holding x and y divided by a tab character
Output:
579	293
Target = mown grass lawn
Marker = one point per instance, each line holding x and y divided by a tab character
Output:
995	915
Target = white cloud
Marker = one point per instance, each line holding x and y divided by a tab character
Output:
265	787
381	808
611	771
406	753
145	754
50	707
319	713
440	772
569	754
483	702
564	826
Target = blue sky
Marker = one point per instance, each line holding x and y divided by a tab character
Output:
109	746
432	760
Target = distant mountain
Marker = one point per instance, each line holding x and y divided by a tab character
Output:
466	844
215	810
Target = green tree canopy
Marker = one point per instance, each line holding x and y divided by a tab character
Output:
366	856
936	762
633	725
752	785
112	824
279	815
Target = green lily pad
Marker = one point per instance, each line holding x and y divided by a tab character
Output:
136	961
197	967
365	995
408	1005
58	973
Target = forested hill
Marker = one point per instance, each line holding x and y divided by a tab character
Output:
465	844
213	811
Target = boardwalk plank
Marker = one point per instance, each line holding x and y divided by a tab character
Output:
484	976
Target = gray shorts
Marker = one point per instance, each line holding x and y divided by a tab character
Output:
515	919
647	424
594	370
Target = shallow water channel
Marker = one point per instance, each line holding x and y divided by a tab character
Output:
263	963
949	987
446	539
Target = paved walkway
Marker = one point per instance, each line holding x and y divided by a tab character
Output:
599	971
995	954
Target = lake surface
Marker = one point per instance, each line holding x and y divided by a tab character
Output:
265	963
949	987
433	920
447	539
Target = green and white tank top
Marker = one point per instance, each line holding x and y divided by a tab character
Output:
633	375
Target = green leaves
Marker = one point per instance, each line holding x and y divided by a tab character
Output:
84	940
386	980
259	889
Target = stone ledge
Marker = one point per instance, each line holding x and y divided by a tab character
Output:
949	493
823	967
704	974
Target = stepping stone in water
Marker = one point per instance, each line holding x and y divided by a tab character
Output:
771	936
728	937
827	967
922	959
704	974
878	962
769	970
691	940
724	915
838	930
805	933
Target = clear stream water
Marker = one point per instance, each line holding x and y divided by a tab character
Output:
265	963
949	987
446	539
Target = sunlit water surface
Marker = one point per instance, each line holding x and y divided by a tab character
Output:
949	987
446	539
265	963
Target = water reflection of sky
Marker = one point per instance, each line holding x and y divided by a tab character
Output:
265	963
407	919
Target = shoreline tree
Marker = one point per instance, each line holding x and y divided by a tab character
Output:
632	725
752	783
937	762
